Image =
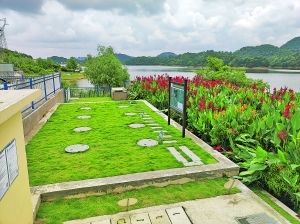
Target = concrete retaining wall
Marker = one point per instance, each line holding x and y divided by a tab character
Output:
32	120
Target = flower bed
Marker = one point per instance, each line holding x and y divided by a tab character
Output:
260	129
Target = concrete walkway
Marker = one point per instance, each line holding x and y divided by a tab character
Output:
218	210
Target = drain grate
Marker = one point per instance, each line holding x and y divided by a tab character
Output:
261	218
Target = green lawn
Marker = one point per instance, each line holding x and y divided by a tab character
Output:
91	99
113	149
78	208
69	79
280	210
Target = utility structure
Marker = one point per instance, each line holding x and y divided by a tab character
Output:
3	43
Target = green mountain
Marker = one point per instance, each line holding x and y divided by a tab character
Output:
293	44
58	60
166	55
123	57
266	55
261	50
26	64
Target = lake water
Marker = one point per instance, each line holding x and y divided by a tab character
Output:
276	78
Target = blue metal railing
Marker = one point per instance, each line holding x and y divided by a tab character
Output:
49	84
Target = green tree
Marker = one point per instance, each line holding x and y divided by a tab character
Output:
105	68
71	63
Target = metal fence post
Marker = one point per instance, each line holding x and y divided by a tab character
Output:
60	83
53	83
5	86
45	88
31	87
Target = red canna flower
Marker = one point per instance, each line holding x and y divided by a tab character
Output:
282	135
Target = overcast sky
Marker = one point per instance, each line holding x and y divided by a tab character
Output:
146	27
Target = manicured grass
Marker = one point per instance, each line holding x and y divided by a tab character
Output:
113	149
78	208
69	79
91	99
280	210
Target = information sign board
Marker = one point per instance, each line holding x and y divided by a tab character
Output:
177	97
9	168
12	161
4	182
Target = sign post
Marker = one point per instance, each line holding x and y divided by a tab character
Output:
177	101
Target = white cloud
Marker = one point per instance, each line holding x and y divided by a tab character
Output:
148	28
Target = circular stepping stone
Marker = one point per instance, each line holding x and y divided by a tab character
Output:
147	142
82	129
136	125
123	106
84	117
127	202
130	114
77	148
85	108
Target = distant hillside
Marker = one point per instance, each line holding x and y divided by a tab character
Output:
266	55
261	50
123	57
58	60
166	55
28	65
293	44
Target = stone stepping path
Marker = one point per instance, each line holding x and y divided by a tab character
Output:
148	121
130	114
195	159
77	148
169	141
147	118
174	215
123	106
82	129
84	117
152	124
167	136
158	127
127	202
157	131
136	125
85	108
147	142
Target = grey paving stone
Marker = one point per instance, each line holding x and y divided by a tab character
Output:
130	114
153	124
159	217
136	125
107	221
85	108
177	155
127	202
156	127
142	218
82	129
77	148
178	216
169	141
148	121
84	117
191	154
147	118
157	131
123	106
122	219
147	142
